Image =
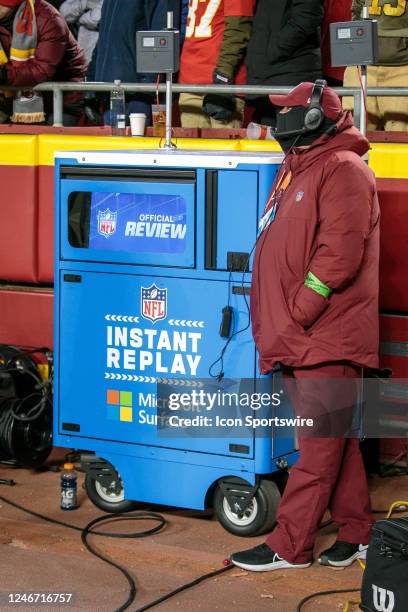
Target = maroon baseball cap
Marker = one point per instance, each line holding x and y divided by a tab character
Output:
302	94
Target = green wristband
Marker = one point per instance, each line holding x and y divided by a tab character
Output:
315	284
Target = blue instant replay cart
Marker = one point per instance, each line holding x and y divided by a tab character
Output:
151	246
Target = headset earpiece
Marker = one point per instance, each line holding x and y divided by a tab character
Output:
314	116
313	119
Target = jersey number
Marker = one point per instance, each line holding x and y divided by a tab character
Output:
203	29
389	10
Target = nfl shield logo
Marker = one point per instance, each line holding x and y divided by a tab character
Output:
299	196
154	303
107	222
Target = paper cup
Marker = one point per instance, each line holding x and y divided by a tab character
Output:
137	124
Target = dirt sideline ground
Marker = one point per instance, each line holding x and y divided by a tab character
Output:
36	556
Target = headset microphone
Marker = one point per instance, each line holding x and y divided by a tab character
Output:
331	131
298	132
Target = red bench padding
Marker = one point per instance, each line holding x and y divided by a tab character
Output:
26	317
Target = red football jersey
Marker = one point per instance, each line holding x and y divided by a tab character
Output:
334	10
204	35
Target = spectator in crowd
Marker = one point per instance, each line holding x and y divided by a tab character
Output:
36	46
183	20
214	50
85	15
334	11
115	52
392	70
284	48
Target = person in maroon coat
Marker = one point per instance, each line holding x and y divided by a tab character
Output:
314	306
36	45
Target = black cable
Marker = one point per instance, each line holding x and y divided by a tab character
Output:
122	516
220	359
29	351
229	287
6	427
321	594
88	530
184	587
35	411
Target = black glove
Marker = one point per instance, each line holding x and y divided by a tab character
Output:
3	74
219	106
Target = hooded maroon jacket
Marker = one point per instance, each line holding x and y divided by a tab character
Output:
58	56
327	223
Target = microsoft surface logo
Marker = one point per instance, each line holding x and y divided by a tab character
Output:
119	405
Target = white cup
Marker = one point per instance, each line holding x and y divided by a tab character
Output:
137	124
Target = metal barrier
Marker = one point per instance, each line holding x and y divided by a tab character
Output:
59	88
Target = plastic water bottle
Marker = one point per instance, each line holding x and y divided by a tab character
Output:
259	132
69	487
117	110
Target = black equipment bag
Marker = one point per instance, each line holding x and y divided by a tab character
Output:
385	580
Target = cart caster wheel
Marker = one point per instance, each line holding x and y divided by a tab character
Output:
259	517
108	499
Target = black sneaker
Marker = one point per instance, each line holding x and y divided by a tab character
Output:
262	559
342	554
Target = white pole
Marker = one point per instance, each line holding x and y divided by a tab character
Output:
169	93
363	114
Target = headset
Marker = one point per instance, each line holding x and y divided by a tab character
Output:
314	116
